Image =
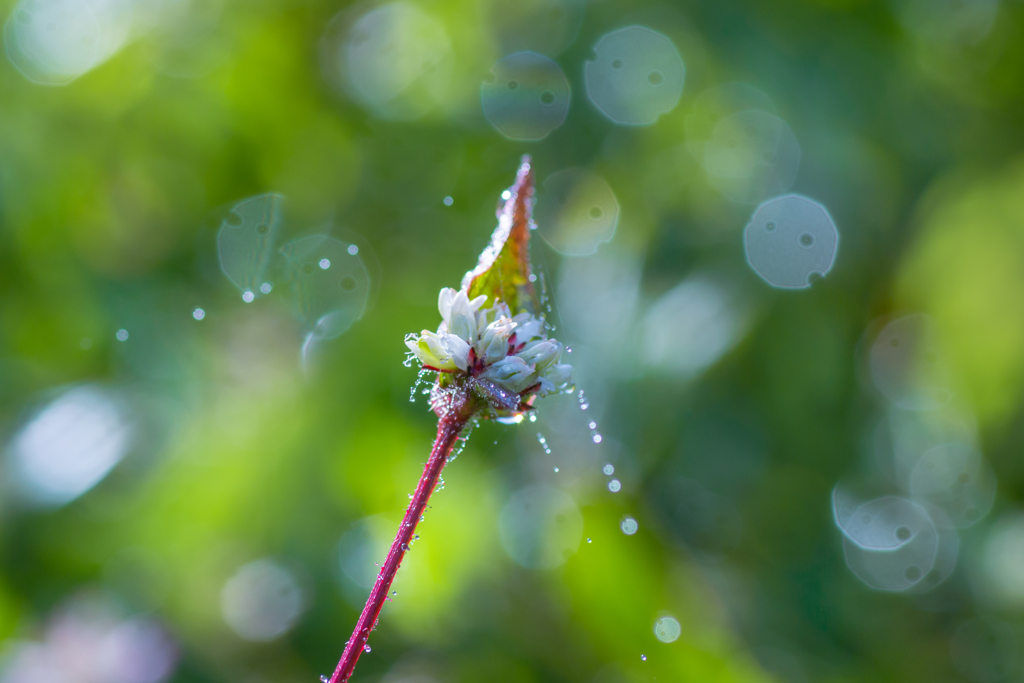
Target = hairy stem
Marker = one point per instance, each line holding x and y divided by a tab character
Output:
448	429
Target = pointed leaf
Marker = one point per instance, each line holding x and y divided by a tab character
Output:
503	272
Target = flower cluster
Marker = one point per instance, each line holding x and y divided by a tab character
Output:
490	345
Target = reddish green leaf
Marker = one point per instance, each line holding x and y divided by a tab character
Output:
503	272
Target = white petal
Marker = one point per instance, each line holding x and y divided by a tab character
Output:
511	373
542	353
444	302
486	316
528	327
559	375
476	303
463	318
493	344
430	350
458	351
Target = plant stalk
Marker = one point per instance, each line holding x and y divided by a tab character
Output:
449	428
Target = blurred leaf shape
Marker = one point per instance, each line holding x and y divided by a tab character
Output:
245	241
965	270
329	283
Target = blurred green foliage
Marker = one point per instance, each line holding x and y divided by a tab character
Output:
112	189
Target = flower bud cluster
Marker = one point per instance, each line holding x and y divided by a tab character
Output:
512	352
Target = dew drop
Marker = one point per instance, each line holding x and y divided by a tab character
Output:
556	470
248	296
629	526
543	443
596	438
614	486
266	287
325	264
583	401
122	335
533	417
643	658
353	249
593	425
608	469
198	314
448	201
589	541
366	648
324	679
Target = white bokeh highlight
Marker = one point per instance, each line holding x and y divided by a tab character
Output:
635	76
576	212
262	601
790	239
525	96
69	445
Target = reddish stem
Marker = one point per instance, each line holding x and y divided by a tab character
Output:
448	430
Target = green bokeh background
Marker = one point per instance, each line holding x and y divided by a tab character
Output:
111	192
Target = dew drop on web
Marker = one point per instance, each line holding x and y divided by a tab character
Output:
544	444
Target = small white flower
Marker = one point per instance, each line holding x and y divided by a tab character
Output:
527	327
459	313
501	378
493	344
458	349
541	353
512	373
486	316
555	378
440	351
